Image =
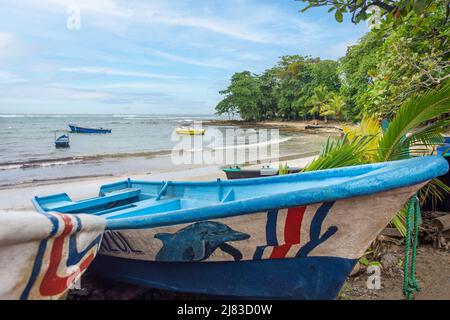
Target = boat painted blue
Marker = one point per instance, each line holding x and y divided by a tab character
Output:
290	236
443	150
77	129
62	141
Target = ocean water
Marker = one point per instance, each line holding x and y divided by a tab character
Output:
137	144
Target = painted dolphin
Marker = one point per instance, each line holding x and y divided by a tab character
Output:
198	241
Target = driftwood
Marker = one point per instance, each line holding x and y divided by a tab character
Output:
442	223
391	232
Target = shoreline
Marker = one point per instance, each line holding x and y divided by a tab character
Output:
310	126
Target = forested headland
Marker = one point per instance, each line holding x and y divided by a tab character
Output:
405	52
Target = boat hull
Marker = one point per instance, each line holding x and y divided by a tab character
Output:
192	132
43	255
302	252
254	173
76	129
295	278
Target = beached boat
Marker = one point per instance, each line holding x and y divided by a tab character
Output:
77	129
289	236
239	173
43	255
62	141
190	131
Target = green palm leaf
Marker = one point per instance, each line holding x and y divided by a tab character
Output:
395	142
341	153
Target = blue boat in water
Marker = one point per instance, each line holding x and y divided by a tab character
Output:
77	129
62	141
295	236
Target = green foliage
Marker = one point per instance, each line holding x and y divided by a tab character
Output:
283	169
389	65
333	107
409	134
398	58
318	101
342	152
280	92
379	11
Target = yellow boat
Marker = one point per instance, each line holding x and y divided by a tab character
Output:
190	131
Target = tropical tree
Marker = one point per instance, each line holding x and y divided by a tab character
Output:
382	11
318	101
333	107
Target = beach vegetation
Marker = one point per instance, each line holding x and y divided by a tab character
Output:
414	131
406	52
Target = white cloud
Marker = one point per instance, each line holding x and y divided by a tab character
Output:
6	40
10	46
231	29
117	72
7	77
211	63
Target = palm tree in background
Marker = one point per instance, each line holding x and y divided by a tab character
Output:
318	101
333	107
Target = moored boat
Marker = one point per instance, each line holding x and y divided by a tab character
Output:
239	173
43	255
190	131
289	236
77	129
62	141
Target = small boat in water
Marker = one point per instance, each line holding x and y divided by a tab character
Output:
294	236
62	141
77	129
43	255
190	131
239	173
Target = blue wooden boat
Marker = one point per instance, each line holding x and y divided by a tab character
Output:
62	141
292	236
77	129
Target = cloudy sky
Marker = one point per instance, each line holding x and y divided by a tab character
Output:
149	56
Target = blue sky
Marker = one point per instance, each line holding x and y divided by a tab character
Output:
153	56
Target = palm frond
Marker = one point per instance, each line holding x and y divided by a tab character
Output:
430	135
435	190
341	153
399	221
394	143
369	126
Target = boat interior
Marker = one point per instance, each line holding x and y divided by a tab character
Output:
129	198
